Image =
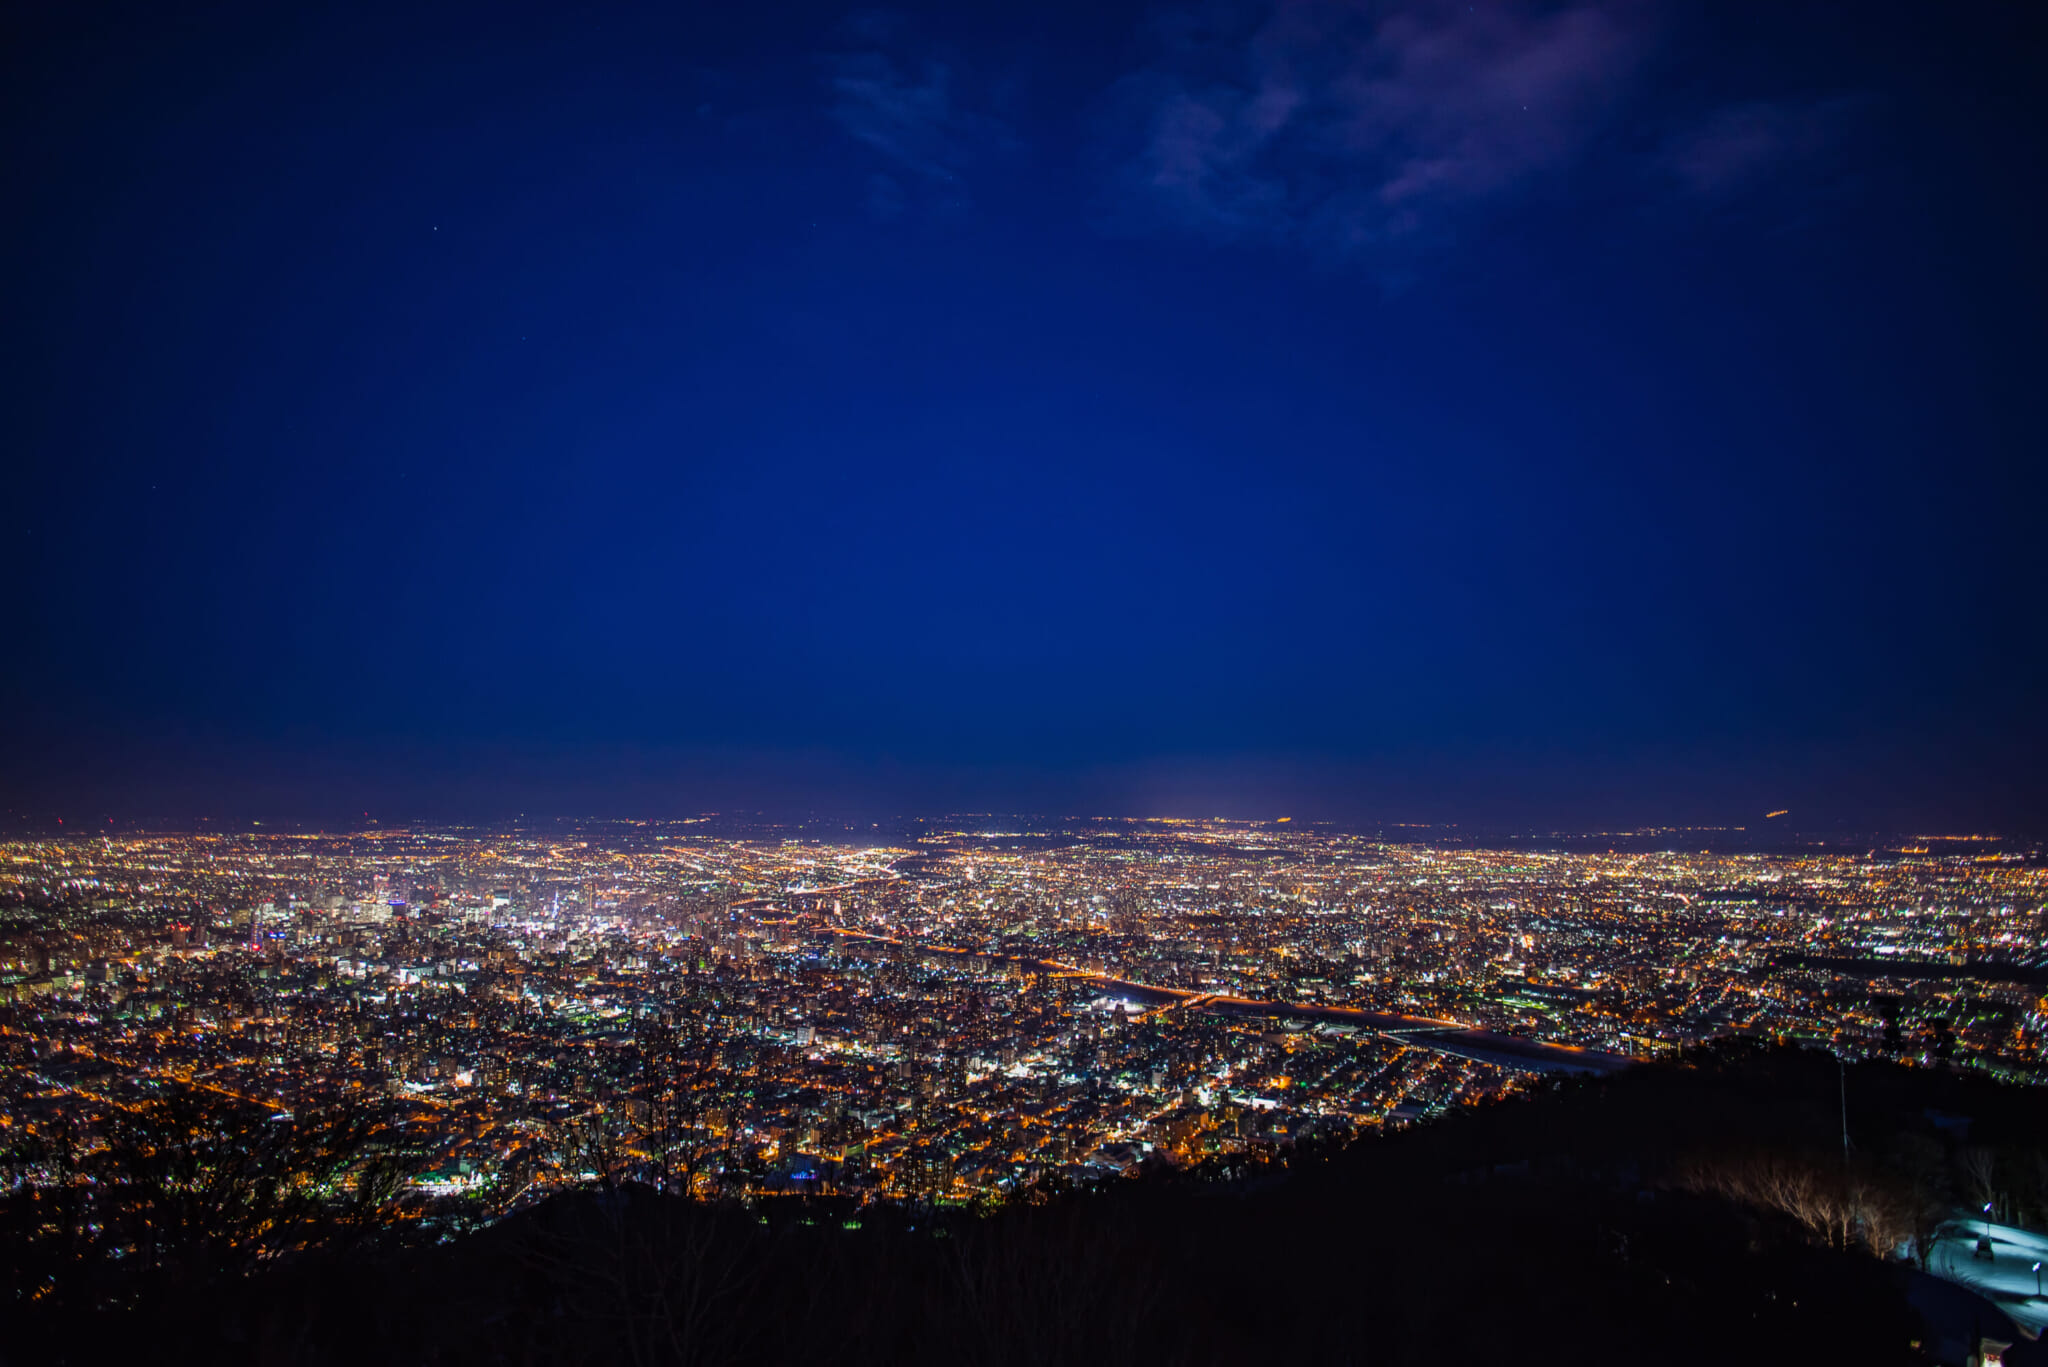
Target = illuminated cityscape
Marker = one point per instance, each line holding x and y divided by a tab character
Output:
960	1010
1345	682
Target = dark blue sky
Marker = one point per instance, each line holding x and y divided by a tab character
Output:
1559	414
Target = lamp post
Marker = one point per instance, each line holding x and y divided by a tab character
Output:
2037	1279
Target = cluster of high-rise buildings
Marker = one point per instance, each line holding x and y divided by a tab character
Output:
954	1009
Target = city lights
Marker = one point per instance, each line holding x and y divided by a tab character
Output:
957	1009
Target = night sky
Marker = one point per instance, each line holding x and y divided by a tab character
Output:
1555	414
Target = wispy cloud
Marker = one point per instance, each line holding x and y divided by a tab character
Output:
1738	147
1340	124
1351	126
907	108
908	118
1343	127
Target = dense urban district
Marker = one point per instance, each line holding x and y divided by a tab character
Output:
964	1011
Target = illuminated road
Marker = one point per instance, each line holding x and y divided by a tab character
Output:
1420	1032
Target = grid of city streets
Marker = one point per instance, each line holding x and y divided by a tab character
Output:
964	1009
